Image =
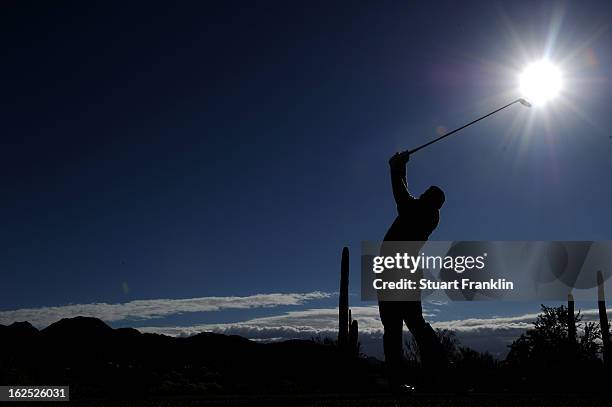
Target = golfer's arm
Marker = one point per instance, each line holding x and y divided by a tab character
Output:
400	185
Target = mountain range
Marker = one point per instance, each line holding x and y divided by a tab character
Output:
99	361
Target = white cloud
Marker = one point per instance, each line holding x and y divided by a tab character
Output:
492	334
156	308
299	323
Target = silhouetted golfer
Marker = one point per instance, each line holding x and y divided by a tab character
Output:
416	219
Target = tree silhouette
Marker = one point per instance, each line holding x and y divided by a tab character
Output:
548	343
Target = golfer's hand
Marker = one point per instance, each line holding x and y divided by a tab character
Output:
399	160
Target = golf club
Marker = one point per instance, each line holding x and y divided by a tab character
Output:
414	150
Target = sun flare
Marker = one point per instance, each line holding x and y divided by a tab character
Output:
540	82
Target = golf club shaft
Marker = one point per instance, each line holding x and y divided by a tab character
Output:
414	150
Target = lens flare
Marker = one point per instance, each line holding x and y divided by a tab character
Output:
540	82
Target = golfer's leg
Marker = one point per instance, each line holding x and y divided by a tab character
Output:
432	354
391	318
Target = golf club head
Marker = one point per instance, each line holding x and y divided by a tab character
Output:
524	102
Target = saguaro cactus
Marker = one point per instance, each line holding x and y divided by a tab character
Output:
571	320
343	310
353	335
603	319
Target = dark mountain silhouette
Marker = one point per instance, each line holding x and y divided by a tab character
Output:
19	328
99	361
15	338
77	327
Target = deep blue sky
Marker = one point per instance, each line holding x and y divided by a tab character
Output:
233	148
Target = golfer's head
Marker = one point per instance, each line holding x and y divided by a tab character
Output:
434	196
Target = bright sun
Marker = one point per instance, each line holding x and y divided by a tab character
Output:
540	82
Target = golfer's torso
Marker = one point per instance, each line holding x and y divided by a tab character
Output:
415	222
413	225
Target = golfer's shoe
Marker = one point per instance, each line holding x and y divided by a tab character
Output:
403	390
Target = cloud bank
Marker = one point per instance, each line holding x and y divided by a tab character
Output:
156	308
492	334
